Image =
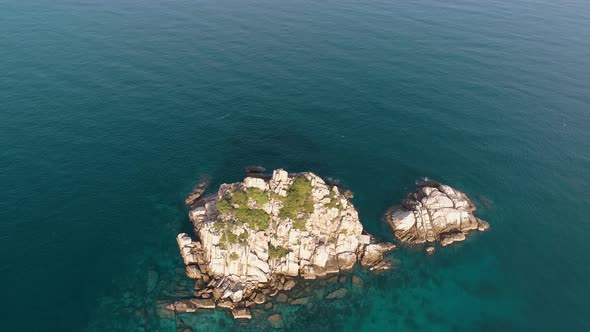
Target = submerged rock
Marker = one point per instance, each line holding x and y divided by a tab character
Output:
434	212
259	233
276	321
197	192
357	281
152	280
430	250
282	298
289	285
300	301
337	294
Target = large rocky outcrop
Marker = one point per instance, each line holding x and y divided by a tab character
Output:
434	212
256	234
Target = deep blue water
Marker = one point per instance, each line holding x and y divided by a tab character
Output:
111	110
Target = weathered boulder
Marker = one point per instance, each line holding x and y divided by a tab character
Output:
259	298
434	212
289	285
241	313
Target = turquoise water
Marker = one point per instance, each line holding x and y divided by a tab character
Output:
110	111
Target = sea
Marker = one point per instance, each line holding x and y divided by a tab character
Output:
111	111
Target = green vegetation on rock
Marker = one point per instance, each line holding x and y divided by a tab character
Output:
237	206
234	257
224	206
277	252
219	225
334	202
239	198
256	219
243	237
259	196
228	237
298	199
299	224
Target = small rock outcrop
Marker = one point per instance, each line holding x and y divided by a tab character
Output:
434	212
255	236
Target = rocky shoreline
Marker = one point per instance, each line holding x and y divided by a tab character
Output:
262	241
259	237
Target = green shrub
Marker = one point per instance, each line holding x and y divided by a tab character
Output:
240	198
227	237
299	224
234	257
219	225
224	206
231	237
298	199
277	252
256	219
243	237
334	202
259	196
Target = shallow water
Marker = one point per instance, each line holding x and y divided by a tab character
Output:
111	111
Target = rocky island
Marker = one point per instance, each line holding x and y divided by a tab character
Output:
434	212
256	237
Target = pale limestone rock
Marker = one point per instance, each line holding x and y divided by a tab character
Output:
237	295
434	212
241	313
448	238
259	298
203	303
346	261
320	256
364	239
192	271
187	248
184	306
250	182
373	253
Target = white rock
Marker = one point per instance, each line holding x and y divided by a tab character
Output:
434	212
251	182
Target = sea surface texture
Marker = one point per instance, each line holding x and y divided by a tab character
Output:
110	111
